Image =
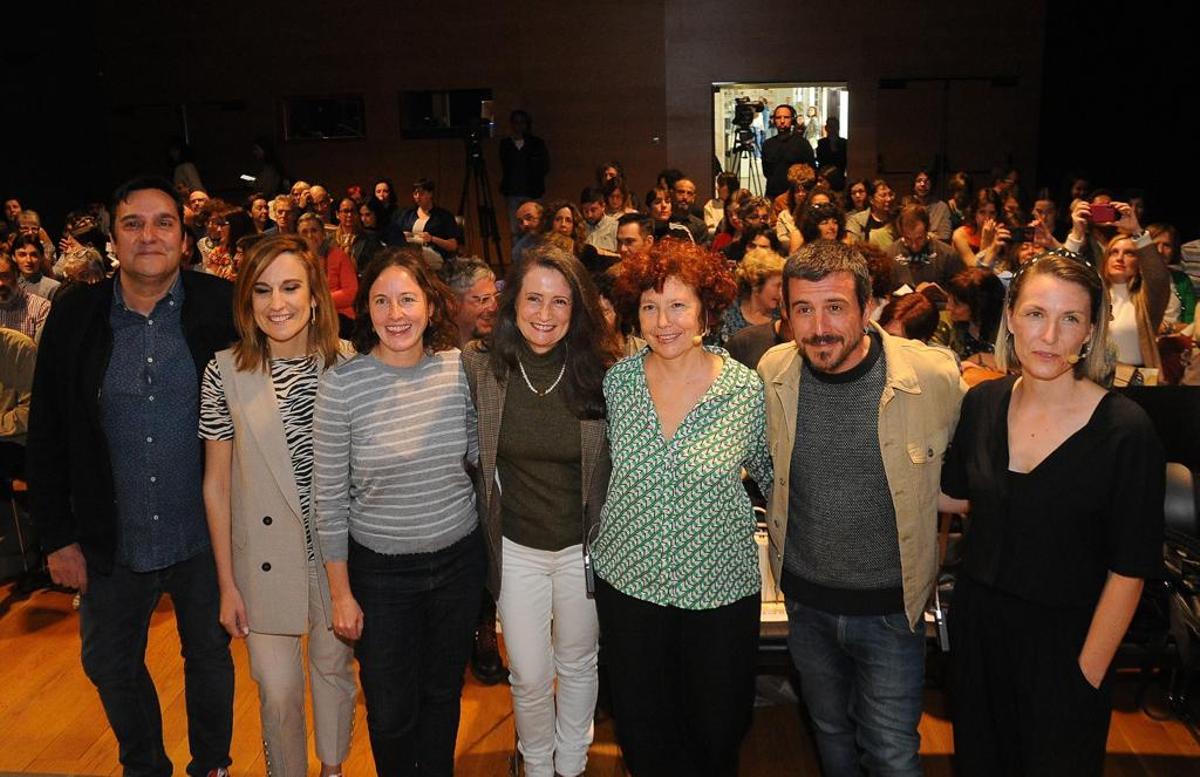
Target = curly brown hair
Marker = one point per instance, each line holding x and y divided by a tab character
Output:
441	333
704	271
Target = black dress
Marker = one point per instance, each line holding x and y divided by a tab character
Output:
1036	555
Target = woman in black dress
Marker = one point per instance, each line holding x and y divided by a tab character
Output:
1063	482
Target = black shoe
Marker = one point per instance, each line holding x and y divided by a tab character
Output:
485	657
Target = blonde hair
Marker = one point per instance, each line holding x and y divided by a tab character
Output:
756	267
1135	282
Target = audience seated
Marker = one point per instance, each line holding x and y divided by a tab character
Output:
29	254
425	223
18	353
684	210
19	309
874	224
938	211
913	316
600	227
759	277
920	256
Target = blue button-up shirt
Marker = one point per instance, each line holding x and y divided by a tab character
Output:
149	406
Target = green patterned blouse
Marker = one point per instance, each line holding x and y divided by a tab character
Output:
677	529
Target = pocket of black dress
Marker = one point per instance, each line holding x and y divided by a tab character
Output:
1084	684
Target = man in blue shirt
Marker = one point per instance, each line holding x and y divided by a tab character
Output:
115	471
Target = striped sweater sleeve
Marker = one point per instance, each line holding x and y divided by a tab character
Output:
331	467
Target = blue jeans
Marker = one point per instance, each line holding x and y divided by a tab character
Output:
419	616
862	679
114	618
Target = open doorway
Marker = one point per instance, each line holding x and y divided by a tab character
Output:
742	120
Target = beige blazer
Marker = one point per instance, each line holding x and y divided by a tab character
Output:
918	411
270	562
488	394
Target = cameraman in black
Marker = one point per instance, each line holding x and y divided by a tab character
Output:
784	150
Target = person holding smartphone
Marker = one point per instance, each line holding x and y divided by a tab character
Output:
1137	280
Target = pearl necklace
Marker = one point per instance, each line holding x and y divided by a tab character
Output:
553	385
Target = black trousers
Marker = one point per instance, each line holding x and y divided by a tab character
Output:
1020	704
419	615
114	621
682	682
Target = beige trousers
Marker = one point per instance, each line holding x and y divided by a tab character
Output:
277	665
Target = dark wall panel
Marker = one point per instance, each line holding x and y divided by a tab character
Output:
547	57
627	80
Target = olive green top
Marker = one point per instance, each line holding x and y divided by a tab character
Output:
539	458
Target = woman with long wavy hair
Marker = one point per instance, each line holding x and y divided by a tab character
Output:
536	383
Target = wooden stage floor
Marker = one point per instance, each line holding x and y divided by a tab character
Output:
51	721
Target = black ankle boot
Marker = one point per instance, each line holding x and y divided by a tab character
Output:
485	655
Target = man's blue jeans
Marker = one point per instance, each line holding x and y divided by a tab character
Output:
114	620
862	680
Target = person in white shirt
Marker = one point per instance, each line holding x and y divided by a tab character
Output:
1138	282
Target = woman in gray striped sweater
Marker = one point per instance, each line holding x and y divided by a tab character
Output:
394	435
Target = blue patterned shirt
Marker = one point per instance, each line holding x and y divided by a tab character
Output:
678	528
150	410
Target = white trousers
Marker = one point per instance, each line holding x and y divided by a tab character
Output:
277	665
551	631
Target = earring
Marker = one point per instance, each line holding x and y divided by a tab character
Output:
314	314
698	340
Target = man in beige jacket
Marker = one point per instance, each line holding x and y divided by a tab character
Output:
858	421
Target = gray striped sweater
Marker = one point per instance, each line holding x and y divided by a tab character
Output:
391	445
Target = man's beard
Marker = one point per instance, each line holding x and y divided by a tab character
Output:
835	359
482	329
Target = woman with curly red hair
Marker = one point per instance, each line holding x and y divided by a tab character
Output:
676	564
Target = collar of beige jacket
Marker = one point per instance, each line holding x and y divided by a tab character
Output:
900	374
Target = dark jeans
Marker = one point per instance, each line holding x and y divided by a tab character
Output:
1019	702
114	618
419	616
862	678
682	682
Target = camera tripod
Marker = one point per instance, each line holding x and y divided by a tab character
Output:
475	180
744	160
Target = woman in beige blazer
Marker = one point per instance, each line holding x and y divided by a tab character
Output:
543	473
256	411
